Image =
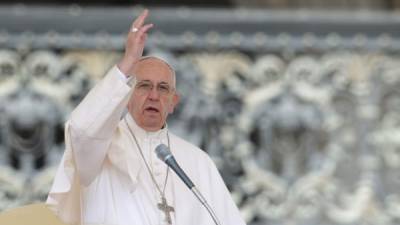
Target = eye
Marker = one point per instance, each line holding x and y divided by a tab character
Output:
144	86
164	88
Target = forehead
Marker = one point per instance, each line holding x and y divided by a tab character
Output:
155	70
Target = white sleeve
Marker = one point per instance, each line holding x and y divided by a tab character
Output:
94	121
121	75
124	78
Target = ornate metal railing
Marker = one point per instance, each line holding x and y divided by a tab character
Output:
300	110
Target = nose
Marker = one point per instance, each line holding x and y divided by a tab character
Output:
153	94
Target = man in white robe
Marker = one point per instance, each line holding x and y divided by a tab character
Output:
110	174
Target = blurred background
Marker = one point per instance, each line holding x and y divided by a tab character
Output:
297	101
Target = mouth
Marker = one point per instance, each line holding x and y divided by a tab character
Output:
151	109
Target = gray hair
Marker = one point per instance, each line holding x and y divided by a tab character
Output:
163	61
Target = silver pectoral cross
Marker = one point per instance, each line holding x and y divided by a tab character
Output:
163	206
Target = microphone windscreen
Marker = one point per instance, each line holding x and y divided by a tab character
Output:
162	152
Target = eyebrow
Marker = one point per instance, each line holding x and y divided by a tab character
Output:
149	81
163	82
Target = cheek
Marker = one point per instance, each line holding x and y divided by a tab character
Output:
167	106
139	100
136	103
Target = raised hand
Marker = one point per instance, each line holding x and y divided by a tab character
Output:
135	43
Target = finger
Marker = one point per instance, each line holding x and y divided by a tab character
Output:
145	28
138	34
138	22
141	18
143	32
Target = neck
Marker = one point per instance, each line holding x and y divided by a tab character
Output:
150	129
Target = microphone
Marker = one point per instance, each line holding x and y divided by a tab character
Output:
165	155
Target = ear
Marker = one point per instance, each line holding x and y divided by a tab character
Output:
175	101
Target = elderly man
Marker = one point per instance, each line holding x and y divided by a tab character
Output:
110	174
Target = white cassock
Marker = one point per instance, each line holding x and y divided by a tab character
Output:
102	178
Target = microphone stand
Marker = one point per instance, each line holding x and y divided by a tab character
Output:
203	201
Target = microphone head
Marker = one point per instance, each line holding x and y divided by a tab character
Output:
163	152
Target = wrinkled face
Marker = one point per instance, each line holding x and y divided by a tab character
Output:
154	95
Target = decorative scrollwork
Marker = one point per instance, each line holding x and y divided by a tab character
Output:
313	139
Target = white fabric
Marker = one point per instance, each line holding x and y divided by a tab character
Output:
121	75
102	179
